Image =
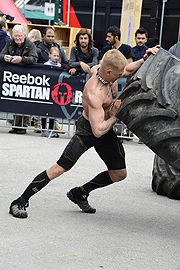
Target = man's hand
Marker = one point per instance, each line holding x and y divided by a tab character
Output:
16	59
85	67
115	107
13	59
72	71
150	51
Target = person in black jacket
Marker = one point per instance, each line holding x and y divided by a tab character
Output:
19	49
43	48
83	56
3	34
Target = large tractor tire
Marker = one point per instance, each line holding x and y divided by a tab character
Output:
166	179
151	106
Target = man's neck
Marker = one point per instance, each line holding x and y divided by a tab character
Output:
46	44
100	76
117	45
84	50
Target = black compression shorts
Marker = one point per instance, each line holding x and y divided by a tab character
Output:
108	147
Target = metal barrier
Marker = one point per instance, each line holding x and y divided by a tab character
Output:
67	126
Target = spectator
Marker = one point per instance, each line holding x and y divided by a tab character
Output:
175	49
113	39
54	60
83	55
19	49
43	48
35	36
3	33
141	37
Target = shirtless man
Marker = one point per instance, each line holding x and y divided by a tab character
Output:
94	129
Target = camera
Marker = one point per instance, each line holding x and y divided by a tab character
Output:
8	17
11	58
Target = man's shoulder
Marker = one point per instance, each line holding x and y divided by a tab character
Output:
41	45
107	48
94	49
55	44
125	45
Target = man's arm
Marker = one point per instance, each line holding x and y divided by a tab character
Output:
99	124
131	68
130	60
73	62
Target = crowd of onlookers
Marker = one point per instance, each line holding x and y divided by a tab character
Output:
83	56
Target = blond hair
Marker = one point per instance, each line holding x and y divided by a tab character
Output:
113	59
36	34
57	50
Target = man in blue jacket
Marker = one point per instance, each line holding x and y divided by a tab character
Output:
141	37
3	34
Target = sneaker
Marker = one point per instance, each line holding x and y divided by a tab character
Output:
79	197
54	135
18	208
58	128
36	130
13	130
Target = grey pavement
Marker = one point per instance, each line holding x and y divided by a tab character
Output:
133	227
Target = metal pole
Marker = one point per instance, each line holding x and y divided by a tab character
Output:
68	12
162	19
49	16
93	15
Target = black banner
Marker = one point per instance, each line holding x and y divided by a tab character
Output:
42	90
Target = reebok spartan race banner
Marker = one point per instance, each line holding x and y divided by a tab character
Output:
40	90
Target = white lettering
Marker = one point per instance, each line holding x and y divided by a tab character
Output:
15	78
5	88
30	79
12	89
25	79
45	80
38	81
7	76
78	97
33	89
26	91
18	91
46	93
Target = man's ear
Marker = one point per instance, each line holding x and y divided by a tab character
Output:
108	71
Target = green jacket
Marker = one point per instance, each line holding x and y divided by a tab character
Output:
29	54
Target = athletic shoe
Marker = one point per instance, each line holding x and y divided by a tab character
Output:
46	133
54	135
18	208
79	197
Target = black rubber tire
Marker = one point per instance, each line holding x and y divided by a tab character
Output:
165	179
151	106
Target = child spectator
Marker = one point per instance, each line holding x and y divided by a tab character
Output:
54	60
